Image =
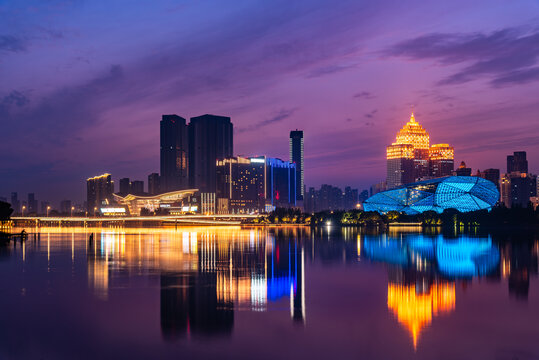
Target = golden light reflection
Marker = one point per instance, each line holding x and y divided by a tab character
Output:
415	311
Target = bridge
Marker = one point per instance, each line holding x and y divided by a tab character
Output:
228	219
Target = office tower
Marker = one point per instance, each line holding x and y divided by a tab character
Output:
99	191
210	139
280	182
240	185
410	158
505	190
137	187
441	160
463	170
153	184
65	207
523	187
309	201
363	196
174	154
125	186
492	175
15	204
32	204
517	162
296	156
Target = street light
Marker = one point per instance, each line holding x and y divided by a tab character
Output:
72	208
48	208
23	208
95	209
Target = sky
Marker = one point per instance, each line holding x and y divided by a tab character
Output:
83	84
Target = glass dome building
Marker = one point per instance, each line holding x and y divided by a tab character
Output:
464	193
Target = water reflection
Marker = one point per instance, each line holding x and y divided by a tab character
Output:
206	277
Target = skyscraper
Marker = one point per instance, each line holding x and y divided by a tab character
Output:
99	191
174	153
463	170
492	175
125	186
32	204
210	138
411	158
153	184
517	162
296	156
15	203
441	161
137	187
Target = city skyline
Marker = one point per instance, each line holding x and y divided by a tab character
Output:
68	110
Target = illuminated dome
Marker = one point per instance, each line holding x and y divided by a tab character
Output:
464	193
414	134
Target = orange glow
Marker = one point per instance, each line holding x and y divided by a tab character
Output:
399	151
412	133
415	311
441	152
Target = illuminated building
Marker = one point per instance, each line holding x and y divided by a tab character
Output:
174	153
296	156
280	188
464	193
518	186
441	160
415	310
99	191
463	170
135	203
153	184
411	157
210	139
240	185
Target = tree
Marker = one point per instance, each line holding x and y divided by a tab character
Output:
5	211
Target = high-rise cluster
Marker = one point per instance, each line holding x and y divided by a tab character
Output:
411	157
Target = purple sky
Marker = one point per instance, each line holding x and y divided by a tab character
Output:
84	83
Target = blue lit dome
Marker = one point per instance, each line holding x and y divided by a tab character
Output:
464	193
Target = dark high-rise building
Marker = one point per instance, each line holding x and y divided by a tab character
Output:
296	156
32	204
517	162
351	198
125	186
463	170
15	203
137	187
45	207
65	206
99	191
280	177
523	187
174	154
210	138
492	175
363	196
240	185
441	160
153	184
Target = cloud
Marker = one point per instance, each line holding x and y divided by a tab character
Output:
364	95
504	57
16	98
371	114
279	116
10	43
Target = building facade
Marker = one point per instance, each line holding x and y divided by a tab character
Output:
100	190
441	160
174	165
210	139
240	186
517	162
296	156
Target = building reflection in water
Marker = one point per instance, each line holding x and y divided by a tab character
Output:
205	274
208	274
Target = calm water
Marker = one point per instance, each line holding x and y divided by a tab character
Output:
268	294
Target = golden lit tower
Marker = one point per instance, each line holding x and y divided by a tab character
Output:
411	157
408	156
